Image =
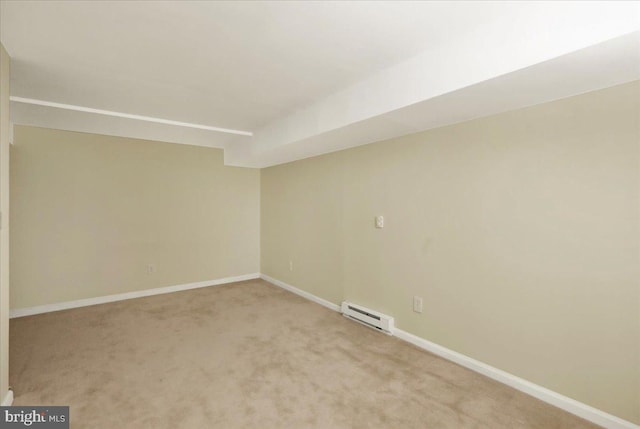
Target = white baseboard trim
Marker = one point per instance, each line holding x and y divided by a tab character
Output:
29	311
549	396
572	406
8	399
300	292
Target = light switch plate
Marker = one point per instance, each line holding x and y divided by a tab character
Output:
379	221
417	304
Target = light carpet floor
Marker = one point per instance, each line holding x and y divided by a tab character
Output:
249	355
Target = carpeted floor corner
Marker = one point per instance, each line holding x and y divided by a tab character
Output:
249	355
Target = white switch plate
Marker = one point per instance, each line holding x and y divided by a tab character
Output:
417	304
379	221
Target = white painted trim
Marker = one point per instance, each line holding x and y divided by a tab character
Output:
565	403
307	295
8	399
549	396
126	115
21	312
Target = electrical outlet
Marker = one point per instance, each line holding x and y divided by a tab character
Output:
290	265
417	304
151	268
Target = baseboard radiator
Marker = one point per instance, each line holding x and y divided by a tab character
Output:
373	319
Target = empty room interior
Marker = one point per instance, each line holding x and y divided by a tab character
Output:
320	214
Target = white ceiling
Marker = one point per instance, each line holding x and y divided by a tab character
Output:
290	72
230	64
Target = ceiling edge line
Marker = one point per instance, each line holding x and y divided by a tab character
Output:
127	115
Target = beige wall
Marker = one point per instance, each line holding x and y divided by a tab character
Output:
90	212
301	224
5	65
520	231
